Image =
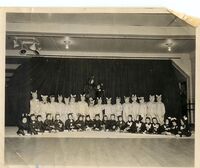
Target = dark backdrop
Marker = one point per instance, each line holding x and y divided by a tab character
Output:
65	76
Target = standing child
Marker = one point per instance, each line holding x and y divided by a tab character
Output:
79	124
134	106
126	108
60	108
160	109
120	124
73	106
66	108
91	108
44	107
82	106
88	123
147	126
142	108
58	124
99	107
69	123
48	123
108	107
34	104
151	107
23	126
97	123
52	106
117	108
156	126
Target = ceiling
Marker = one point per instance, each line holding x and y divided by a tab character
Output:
143	42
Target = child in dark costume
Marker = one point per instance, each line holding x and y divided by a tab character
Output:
105	123
138	126
48	123
156	126
79	124
120	124
97	123
39	124
33	125
69	123
147	126
174	127
58	124
112	123
184	128
129	124
166	127
23	126
88	123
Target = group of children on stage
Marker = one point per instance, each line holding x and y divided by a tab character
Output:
143	117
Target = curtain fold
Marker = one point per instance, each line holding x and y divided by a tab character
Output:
55	76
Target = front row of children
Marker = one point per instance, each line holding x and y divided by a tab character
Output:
32	125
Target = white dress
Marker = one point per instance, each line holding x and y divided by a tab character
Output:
52	109
151	109
99	110
82	108
135	109
108	110
143	110
60	109
91	112
34	106
44	108
126	111
117	109
73	108
160	112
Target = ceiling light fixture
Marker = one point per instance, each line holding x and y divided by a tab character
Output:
67	42
15	43
169	45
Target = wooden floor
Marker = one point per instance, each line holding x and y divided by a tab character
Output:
100	152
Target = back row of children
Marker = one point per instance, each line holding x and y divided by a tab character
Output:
154	108
33	125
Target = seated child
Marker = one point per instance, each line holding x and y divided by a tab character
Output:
97	123
40	125
105	123
23	126
166	127
88	123
120	124
184	129
33	125
112	123
69	123
79	124
139	125
156	126
174	128
129	124
147	126
58	124
48	123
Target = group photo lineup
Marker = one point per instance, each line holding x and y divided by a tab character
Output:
100	89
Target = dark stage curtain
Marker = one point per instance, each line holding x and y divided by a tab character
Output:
65	76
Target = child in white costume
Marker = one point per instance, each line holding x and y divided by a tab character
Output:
160	109
91	109
73	107
34	104
117	108
142	108
82	106
44	107
60	108
99	107
151	107
134	107
52	106
108	108
126	108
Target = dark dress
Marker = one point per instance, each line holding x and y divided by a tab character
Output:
147	128
22	127
80	125
48	125
174	130
33	127
40	126
112	125
69	124
129	126
138	127
105	124
59	125
156	128
97	125
121	125
88	124
184	131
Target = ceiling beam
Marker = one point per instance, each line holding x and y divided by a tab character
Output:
104	55
120	30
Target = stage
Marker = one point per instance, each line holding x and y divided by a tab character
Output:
98	149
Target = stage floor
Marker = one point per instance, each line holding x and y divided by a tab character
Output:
106	151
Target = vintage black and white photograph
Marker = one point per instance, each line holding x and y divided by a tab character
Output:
100	89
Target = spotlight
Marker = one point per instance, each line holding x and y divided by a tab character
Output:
169	48
15	43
